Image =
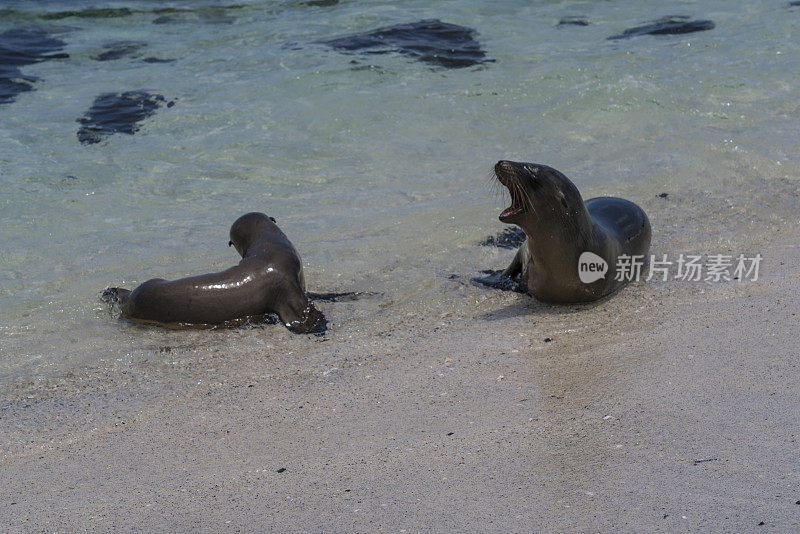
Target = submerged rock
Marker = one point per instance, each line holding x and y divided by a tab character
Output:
573	21
431	41
667	26
11	86
157	60
117	113
509	238
103	13
120	50
20	47
205	14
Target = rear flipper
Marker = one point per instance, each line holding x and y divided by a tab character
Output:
114	295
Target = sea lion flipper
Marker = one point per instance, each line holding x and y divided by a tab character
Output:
509	278
309	321
299	315
516	264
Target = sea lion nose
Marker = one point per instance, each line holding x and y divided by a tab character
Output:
504	166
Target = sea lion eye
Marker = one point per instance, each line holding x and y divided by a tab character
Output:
531	169
273	219
564	202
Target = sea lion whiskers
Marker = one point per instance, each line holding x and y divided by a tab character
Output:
496	187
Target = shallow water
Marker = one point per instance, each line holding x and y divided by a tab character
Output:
376	166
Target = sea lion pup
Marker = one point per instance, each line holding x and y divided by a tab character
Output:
269	279
559	228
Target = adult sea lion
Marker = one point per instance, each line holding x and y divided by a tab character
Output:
560	227
268	280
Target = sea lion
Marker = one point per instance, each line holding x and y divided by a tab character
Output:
268	280
560	227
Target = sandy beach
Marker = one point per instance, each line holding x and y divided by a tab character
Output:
671	406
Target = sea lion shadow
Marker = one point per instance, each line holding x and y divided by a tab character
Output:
341	297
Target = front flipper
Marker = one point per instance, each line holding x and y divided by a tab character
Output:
312	321
515	268
498	280
506	280
300	316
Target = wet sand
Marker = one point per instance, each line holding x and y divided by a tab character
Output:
668	407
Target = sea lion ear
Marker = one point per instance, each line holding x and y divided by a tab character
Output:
230	243
273	219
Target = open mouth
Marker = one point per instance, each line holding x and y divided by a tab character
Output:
517	206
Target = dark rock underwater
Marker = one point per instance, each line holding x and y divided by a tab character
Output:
666	26
21	47
118	113
430	41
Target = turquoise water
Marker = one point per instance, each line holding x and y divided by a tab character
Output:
376	166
